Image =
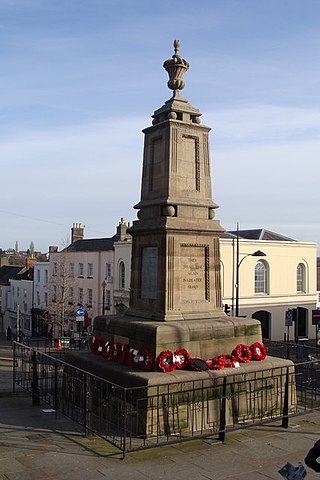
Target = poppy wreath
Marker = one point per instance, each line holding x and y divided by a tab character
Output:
228	360
165	361
108	350
146	359
181	358
133	358
242	353
124	354
94	344
259	351
117	352
216	363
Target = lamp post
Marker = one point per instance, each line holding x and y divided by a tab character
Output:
258	253
103	296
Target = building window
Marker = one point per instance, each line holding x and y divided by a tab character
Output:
18	292
108	270
80	271
46	299
260	278
25	307
89	299
38	297
54	293
38	276
55	268
90	270
108	299
80	295
46	276
70	295
71	269
301	278
13	291
122	275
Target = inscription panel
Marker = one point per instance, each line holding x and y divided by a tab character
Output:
193	274
149	267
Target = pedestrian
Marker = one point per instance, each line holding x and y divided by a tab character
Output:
8	333
312	455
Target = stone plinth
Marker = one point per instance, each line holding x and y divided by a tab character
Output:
176	403
205	338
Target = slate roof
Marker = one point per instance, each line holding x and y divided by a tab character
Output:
92	245
261	234
26	274
8	272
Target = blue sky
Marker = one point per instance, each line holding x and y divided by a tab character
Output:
81	79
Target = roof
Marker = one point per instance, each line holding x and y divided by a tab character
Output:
8	272
92	245
27	274
261	234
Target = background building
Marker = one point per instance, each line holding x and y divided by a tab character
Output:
285	278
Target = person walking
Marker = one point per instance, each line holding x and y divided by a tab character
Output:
8	333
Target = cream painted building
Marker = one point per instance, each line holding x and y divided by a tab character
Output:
285	278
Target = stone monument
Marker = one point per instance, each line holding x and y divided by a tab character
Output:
175	298
175	295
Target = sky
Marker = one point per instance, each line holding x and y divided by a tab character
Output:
80	80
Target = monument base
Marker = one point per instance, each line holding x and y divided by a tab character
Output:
149	404
205	338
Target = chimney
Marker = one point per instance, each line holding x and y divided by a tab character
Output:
77	232
122	230
53	249
30	261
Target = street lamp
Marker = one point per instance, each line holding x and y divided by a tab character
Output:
103	296
258	253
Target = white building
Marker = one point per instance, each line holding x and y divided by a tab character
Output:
21	302
285	278
40	298
82	276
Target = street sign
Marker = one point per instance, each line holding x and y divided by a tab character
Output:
79	315
289	318
315	317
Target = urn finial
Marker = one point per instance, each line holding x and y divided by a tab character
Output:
176	68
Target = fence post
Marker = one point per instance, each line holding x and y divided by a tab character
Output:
56	387
124	446
34	383
14	368
222	428
285	413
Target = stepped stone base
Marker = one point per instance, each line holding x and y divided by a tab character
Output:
182	401
203	338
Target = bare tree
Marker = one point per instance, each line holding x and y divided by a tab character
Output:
61	292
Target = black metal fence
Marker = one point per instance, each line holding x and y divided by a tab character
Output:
300	351
142	417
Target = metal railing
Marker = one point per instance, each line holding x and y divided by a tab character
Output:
143	417
298	352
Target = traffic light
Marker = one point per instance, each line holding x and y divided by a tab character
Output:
227	308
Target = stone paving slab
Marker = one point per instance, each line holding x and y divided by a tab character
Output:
45	446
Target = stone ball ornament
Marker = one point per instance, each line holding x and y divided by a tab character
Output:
169	211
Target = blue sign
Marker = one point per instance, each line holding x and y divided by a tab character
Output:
80	312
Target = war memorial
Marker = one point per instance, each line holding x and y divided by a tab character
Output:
174	347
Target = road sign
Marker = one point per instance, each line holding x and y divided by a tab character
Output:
315	317
289	318
80	312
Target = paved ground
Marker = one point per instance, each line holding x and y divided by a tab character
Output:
37	445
